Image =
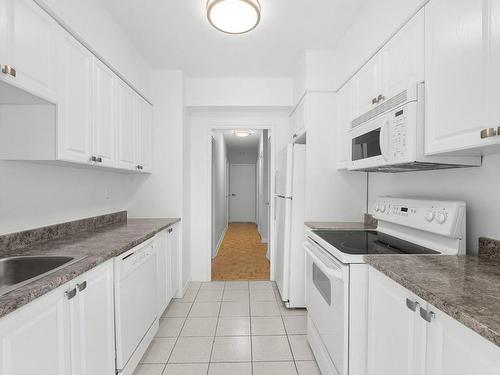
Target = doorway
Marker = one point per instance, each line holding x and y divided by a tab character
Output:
241	225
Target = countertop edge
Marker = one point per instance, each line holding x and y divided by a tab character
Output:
451	310
66	274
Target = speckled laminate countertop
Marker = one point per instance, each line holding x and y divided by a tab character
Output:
465	287
96	246
316	225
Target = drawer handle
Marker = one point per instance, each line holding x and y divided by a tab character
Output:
7	69
374	101
380	98
488	132
82	286
93	158
99	159
427	315
412	305
70	293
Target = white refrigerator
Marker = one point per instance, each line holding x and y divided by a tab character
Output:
289	270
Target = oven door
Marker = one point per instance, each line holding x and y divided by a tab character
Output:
327	296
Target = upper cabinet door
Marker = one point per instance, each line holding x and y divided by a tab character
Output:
396	333
453	349
403	58
455	75
368	88
126	127
74	120
493	25
105	114
145	129
345	111
29	41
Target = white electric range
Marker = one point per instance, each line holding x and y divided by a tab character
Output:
337	277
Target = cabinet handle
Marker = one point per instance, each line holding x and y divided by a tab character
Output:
488	132
7	69
380	98
427	315
70	293
93	158
139	167
374	101
295	135
99	159
412	305
82	286
170	230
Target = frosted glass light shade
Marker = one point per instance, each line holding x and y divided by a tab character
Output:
234	16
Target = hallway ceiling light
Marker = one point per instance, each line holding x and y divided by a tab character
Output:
242	132
233	16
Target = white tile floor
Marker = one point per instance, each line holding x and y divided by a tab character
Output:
230	328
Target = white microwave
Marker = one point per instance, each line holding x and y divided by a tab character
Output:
390	138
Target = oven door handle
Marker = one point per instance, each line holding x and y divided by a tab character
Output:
384	140
336	274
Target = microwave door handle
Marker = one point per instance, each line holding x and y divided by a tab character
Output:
383	141
336	274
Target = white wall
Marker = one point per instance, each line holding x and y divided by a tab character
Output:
243	155
219	198
201	122
91	21
35	195
238	92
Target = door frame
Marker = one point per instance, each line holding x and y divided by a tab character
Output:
271	131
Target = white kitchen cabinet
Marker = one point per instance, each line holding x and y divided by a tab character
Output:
74	111
144	136
105	114
126	127
92	322
345	111
462	76
398	65
396	333
35	339
160	244
424	341
453	349
298	118
174	260
27	45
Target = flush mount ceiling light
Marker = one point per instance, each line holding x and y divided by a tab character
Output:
234	16
242	132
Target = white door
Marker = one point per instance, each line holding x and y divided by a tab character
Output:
30	41
144	132
453	349
160	244
104	110
455	97
282	225
396	333
126	127
403	58
367	83
283	176
74	120
35	338
242	186
92	322
174	263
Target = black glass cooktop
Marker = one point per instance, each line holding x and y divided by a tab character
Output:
369	242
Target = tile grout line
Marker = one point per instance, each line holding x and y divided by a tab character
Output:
216	327
289	344
250	331
179	335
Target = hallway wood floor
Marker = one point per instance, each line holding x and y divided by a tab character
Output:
241	256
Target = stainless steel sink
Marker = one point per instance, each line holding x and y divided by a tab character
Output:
21	270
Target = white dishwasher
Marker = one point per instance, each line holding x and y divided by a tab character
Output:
135	305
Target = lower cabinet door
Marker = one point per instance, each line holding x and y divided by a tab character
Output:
92	322
453	349
35	338
396	333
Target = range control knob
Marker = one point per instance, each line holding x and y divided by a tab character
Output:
429	216
441	217
382	208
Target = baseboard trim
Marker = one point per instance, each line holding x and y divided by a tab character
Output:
219	243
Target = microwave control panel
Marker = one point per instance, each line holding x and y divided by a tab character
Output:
398	131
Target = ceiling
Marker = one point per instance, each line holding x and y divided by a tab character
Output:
235	142
175	34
